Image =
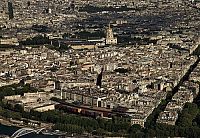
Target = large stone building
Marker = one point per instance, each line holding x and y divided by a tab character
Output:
110	39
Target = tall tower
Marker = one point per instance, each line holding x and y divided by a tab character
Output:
110	39
10	10
99	79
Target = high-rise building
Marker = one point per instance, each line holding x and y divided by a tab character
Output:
110	39
28	3
10	10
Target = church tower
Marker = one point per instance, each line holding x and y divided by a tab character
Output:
110	39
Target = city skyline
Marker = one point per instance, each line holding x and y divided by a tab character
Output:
84	68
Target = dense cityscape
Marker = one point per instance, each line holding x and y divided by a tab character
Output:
100	68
